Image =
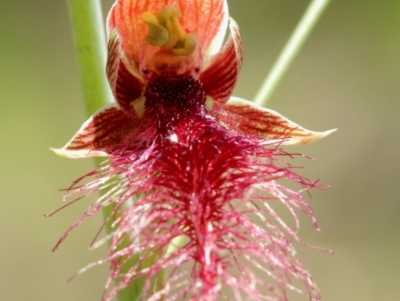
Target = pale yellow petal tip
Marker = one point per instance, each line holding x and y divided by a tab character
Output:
328	132
314	137
78	154
324	134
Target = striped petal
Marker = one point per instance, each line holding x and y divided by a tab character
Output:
125	82
248	118
220	78
103	131
206	18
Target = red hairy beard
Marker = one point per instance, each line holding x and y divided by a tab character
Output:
198	180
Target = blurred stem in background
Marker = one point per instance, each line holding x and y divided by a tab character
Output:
289	52
90	41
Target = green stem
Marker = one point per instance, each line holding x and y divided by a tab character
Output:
290	50
90	42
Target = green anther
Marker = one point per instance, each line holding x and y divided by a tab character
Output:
157	35
164	30
189	46
167	13
172	42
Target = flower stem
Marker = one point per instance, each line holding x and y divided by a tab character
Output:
90	42
292	47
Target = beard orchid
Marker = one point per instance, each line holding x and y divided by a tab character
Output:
204	167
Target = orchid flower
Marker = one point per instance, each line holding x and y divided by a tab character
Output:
204	166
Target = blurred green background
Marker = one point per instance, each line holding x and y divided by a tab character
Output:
347	76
